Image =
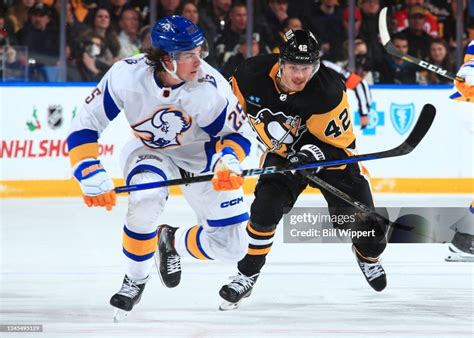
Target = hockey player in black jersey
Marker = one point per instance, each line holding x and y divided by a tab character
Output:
300	111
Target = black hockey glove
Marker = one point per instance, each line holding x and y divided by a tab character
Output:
309	153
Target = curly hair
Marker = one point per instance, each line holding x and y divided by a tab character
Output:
154	56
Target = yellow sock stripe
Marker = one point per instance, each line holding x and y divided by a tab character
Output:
256	252
87	150
192	244
370	259
138	247
259	233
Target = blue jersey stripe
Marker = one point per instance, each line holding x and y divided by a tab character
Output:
240	140
80	137
145	167
210	148
137	258
455	95
137	236
111	109
228	221
215	127
470	49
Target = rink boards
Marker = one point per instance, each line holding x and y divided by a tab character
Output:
35	121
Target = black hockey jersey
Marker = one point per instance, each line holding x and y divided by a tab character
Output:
285	121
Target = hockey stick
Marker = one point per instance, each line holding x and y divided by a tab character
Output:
391	49
419	131
359	205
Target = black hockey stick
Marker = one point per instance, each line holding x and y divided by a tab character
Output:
419	131
391	49
359	205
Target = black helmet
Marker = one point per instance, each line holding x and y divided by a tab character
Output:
300	47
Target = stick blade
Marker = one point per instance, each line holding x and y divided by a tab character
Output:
384	35
427	115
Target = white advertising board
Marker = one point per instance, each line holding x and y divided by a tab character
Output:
35	121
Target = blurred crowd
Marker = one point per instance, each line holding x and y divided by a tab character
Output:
100	32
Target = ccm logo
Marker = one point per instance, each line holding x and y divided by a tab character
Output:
232	202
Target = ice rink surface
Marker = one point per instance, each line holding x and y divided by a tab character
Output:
61	263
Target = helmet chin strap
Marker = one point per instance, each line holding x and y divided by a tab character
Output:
172	72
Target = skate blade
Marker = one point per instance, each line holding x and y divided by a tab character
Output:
120	315
227	306
457	255
460	258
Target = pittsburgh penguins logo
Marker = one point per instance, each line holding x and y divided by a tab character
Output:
277	130
163	129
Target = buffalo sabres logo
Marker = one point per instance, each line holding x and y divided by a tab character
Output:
277	130
163	129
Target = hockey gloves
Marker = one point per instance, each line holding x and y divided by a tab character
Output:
308	153
466	88
226	167
95	183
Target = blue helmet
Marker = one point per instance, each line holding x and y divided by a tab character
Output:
176	33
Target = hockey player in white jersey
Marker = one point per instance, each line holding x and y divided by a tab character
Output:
185	121
461	248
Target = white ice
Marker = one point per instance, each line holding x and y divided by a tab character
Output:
61	262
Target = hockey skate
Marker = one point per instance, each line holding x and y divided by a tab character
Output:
372	270
461	249
128	296
167	260
235	292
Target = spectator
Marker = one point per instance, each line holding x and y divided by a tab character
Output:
325	21
369	31
401	17
167	7
394	69
357	20
128	37
90	66
439	56
291	22
115	8
8	55
145	38
213	18
235	60
418	40
41	38
19	13
190	11
228	43
449	28
102	27
270	24
73	27
7	33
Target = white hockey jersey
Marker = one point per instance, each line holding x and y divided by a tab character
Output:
188	122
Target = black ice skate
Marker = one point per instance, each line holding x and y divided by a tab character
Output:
235	292
128	296
373	271
167	260
461	249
